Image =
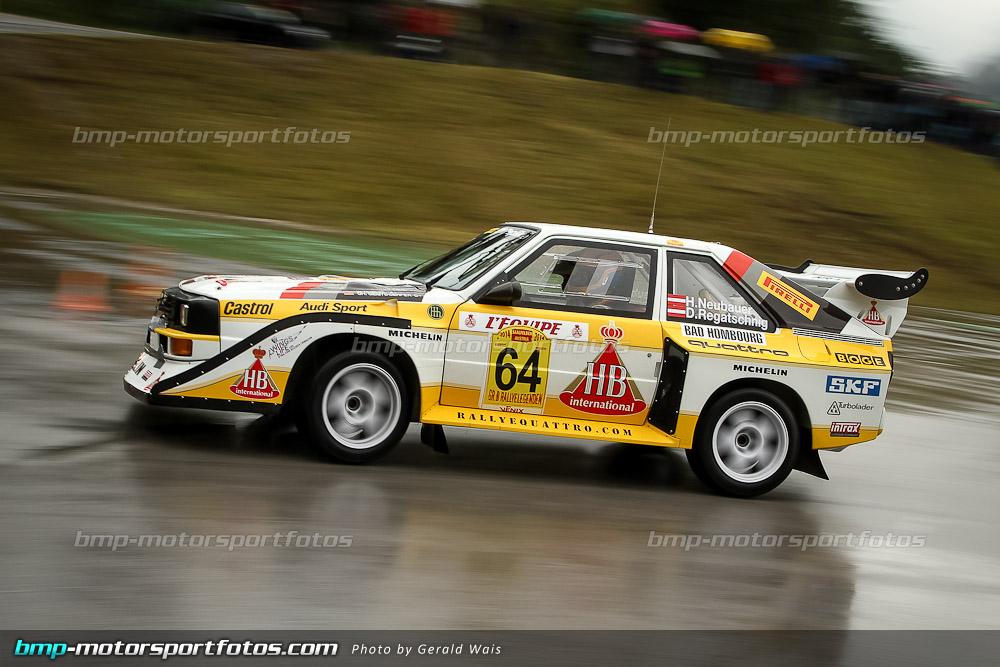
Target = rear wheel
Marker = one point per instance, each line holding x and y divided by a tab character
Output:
746	444
356	408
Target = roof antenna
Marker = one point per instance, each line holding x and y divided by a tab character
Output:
652	216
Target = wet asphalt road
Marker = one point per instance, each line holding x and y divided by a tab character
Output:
504	533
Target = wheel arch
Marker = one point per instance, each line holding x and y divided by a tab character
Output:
329	346
789	396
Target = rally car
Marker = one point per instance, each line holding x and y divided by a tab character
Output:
551	330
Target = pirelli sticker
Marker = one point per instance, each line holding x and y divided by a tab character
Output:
791	297
518	370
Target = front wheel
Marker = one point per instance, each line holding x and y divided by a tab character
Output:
746	444
357	408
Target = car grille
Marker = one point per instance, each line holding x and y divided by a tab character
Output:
202	315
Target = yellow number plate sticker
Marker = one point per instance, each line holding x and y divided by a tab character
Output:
518	370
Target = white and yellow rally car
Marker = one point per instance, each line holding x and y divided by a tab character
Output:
551	330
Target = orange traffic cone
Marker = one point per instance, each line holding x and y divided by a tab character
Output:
147	276
82	290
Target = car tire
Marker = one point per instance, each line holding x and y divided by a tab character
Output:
746	444
356	408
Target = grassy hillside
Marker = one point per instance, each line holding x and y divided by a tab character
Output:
438	152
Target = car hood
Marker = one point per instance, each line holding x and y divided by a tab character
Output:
239	287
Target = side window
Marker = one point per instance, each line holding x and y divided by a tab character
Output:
589	277
701	293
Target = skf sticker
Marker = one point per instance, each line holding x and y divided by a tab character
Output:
873	317
792	298
518	369
605	387
256	382
838	384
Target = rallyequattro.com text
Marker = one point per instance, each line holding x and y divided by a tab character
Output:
166	650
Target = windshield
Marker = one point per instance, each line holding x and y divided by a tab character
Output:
460	267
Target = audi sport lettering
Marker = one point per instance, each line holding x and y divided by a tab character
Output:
328	307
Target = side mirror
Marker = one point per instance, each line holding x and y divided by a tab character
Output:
504	294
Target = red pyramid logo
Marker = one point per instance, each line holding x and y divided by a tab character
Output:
605	387
873	318
256	382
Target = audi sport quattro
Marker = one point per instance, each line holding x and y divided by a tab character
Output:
751	368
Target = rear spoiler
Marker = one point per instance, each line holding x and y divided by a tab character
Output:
878	299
